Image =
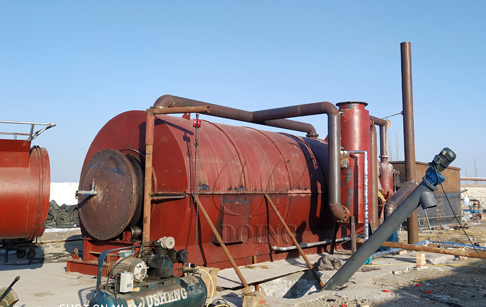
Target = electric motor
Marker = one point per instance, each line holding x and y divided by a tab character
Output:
135	266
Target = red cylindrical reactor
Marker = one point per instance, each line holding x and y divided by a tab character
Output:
24	190
355	136
236	167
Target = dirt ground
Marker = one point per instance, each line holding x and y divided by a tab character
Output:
455	282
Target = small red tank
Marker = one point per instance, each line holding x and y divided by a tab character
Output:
24	187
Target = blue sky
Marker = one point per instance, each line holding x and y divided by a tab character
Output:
80	63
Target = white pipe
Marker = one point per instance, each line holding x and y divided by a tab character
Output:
365	192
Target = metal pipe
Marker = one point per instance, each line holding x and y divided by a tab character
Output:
380	122
91	192
15	134
399	197
272	117
455	244
83	192
236	114
221	243
472	179
173	110
419	196
426	242
365	190
375	222
386	169
384	144
323	107
308	245
58	241
318	278
436	250
408	131
354	241
339	212
32	135
383	124
149	145
147	200
26	123
379	236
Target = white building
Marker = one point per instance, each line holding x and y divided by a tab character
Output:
64	192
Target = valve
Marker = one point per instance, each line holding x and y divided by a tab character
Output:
90	192
196	123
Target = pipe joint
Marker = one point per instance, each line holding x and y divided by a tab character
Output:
91	192
340	212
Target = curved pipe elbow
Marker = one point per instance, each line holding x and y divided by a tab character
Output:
163	101
339	212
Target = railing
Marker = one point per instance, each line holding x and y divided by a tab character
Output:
32	135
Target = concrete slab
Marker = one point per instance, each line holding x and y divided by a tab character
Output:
439	258
48	285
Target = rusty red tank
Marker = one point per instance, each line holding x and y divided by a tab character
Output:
237	166
24	189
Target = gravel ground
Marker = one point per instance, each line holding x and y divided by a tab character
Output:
457	283
460	283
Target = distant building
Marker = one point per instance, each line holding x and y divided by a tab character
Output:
64	192
442	214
